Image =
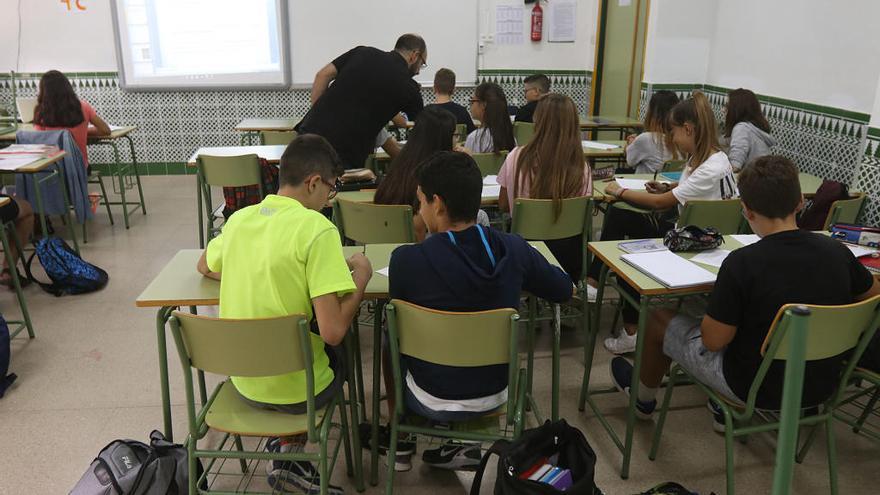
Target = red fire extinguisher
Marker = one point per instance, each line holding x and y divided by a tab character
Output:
537	21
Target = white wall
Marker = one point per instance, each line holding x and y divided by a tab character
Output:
679	40
875	113
540	55
80	41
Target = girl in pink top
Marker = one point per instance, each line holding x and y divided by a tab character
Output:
551	166
59	108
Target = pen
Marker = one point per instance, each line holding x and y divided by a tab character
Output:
655	176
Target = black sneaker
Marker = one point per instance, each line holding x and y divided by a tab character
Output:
403	454
294	476
622	375
718	423
454	455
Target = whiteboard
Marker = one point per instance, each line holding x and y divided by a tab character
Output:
322	30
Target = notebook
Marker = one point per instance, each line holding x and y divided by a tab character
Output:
491	191
634	184
641	246
490	180
669	269
597	145
671	176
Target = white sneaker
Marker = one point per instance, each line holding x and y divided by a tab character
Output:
592	293
621	344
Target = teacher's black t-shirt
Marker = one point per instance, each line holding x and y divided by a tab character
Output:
371	86
794	266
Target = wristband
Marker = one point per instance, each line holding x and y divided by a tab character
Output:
620	193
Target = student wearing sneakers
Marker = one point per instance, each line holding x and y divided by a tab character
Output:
463	266
282	257
707	175
788	265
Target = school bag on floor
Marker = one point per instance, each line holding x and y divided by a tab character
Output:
5	356
69	273
129	467
518	458
669	488
816	209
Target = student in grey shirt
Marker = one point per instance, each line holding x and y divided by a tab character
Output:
648	151
746	129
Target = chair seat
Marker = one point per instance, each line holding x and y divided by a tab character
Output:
230	414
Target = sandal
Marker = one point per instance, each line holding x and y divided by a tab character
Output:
6	279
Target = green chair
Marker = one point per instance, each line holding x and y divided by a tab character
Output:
523	132
725	215
252	348
222	171
845	210
482	338
369	223
862	402
15	326
277	137
673	166
535	220
830	331
460	133
490	163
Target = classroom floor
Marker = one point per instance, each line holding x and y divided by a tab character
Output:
90	376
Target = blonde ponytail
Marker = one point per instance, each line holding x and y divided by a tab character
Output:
698	112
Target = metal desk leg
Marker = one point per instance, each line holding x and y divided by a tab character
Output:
162	317
41	210
377	379
16	283
352	349
121	175
592	332
137	174
634	387
199	200
67	206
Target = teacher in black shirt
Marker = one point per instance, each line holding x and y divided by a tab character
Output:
369	87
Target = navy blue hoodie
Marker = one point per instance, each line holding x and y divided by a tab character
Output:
440	275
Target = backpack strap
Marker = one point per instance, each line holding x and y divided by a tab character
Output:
50	288
499	448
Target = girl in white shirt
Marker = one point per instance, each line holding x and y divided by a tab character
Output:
489	106
707	175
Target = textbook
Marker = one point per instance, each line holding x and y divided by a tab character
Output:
671	176
669	269
641	246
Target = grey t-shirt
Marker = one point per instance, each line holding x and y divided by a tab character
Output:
480	141
647	153
747	142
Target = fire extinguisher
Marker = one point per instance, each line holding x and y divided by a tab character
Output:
537	21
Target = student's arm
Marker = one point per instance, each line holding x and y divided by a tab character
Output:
322	81
399	120
391	146
99	127
727	304
334	313
873	291
210	264
545	280
739	147
505	179
645	199
503	201
202	267
864	285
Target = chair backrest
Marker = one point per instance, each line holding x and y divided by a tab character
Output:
533	219
490	163
230	171
26	107
845	210
673	166
248	347
277	137
725	215
523	132
460	133
369	223
454	339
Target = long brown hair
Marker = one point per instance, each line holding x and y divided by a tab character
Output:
432	133
697	111
57	103
657	119
495	116
743	106
553	161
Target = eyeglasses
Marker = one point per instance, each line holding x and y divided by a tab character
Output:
335	187
474	100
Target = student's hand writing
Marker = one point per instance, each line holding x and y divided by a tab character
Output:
655	187
630	138
612	189
361	268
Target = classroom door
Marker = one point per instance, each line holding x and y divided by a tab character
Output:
620	57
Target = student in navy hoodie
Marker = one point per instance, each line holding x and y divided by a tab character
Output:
463	266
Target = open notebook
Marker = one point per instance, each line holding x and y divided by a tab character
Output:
669	269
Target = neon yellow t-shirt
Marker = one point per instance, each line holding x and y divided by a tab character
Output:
275	257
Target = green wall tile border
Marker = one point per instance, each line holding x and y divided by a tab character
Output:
152	168
874	132
548	72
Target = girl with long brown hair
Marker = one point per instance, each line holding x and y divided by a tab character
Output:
707	175
489	106
551	166
647	152
746	129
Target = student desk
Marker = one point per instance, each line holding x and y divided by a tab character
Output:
16	326
123	172
37	167
589	153
611	123
651	292
252	127
366	196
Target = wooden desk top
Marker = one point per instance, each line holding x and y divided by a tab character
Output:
38	165
609	253
180	284
271	152
255	125
114	133
588	152
610	122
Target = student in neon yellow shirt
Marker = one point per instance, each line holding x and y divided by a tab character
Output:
281	257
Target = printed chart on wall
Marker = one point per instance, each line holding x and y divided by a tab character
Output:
563	25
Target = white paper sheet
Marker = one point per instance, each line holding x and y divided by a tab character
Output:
634	184
509	25
670	269
712	257
746	239
15	162
562	17
491	191
490	180
383	271
597	145
116	127
859	251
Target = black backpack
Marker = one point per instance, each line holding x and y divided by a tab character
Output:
129	467
5	356
551	438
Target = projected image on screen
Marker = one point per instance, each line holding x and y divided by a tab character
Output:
201	43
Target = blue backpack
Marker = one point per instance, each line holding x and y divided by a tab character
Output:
68	272
5	380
